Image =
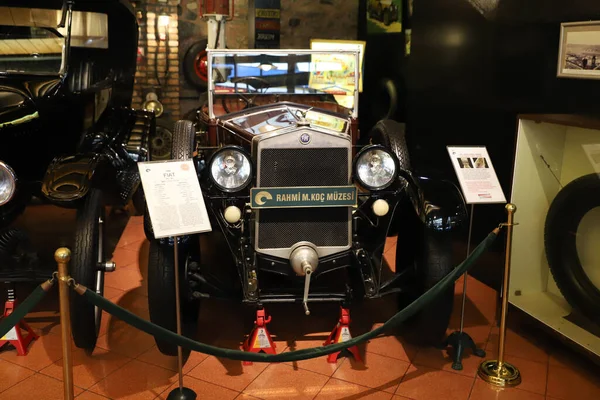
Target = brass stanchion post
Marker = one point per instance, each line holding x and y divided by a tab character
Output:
62	257
498	372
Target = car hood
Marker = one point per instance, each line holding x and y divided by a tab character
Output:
18	100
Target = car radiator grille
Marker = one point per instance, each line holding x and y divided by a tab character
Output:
287	167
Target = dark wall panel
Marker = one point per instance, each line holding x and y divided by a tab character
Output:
475	65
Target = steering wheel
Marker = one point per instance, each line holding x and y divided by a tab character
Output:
261	85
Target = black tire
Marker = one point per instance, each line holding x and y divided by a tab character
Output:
387	17
567	210
434	262
183	140
161	262
391	134
161	294
191	68
85	318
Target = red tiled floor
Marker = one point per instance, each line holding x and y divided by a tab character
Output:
88	369
155	357
42	352
573	383
378	372
87	395
126	340
319	365
517	345
280	381
136	380
423	383
37	387
338	389
484	391
125	258
441	359
204	389
392	346
127	364
227	373
11	374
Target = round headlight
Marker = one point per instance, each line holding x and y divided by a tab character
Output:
231	169
375	168
8	183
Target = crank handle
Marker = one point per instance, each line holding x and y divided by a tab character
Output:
307	273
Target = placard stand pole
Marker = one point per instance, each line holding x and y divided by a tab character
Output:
460	340
181	392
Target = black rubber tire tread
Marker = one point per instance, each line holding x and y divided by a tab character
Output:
391	134
161	297
567	210
83	269
183	140
188	65
429	326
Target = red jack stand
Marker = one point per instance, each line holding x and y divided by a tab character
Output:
341	333
14	336
260	338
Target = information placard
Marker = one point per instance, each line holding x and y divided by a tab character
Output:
174	198
476	174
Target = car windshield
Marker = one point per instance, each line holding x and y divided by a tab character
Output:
32	43
242	79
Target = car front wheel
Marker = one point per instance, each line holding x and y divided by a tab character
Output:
161	291
88	254
433	262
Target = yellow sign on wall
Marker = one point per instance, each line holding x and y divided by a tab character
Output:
267	13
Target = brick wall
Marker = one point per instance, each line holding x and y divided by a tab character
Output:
150	63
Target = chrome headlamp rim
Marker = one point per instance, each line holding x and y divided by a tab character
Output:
250	175
370	148
11	172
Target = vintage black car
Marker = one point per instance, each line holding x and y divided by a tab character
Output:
67	133
300	206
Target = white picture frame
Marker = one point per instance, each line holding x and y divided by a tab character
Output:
579	50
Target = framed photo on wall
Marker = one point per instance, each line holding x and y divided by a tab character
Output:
579	50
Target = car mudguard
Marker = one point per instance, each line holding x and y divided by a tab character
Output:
443	206
69	178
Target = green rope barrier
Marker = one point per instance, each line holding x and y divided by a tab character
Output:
411	309
6	324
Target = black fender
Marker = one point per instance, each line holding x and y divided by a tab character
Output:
437	203
68	179
443	205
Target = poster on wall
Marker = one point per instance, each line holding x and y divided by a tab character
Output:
579	50
267	26
476	175
384	16
336	73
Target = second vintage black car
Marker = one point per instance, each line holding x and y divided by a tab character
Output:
67	133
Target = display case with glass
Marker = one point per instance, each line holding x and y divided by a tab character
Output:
555	274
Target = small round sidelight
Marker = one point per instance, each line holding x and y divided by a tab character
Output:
232	214
380	207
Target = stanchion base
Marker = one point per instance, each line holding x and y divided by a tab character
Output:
461	341
182	394
508	375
